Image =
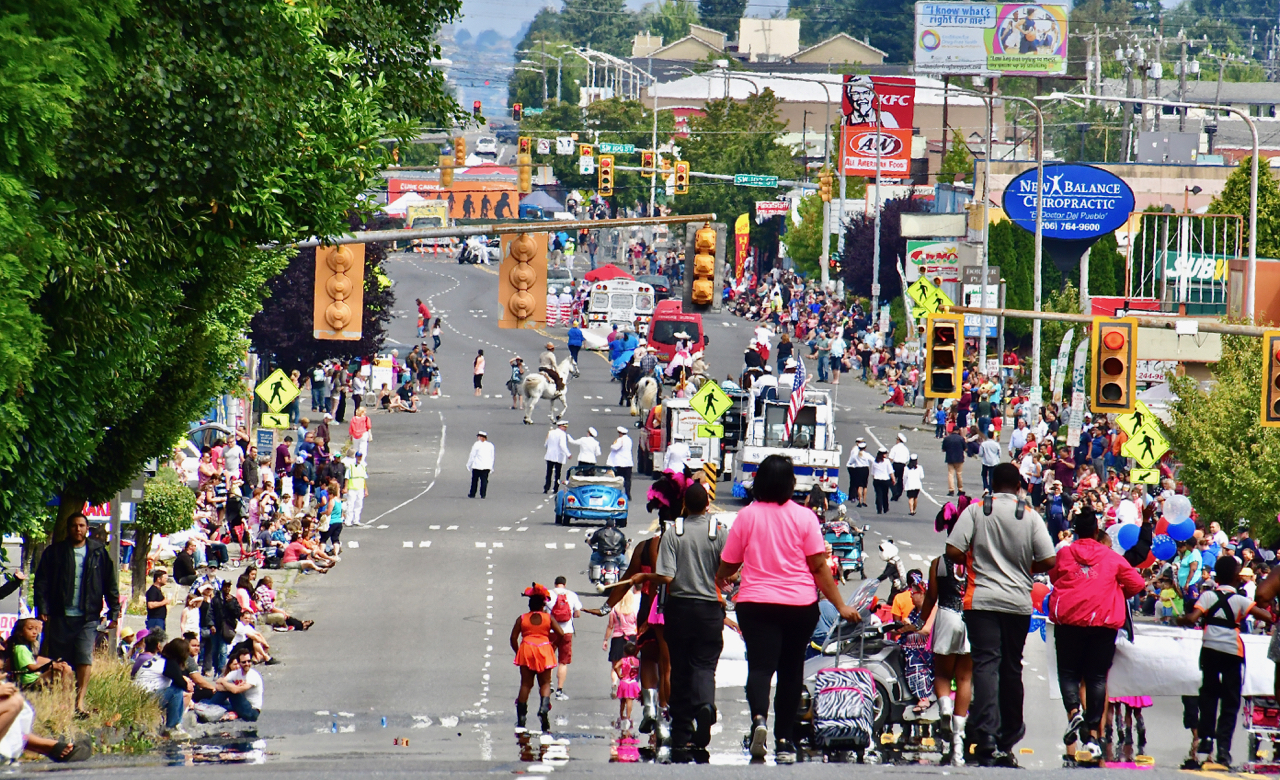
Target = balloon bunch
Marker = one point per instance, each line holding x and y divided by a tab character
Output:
1177	511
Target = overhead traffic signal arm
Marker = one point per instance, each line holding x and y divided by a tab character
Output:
1271	379
944	345
1114	348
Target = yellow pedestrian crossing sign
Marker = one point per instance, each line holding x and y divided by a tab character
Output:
1133	421
1146	445
1145	476
277	391
929	299
274	420
711	402
710	431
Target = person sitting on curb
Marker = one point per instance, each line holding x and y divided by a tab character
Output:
241	689
16	719
298	556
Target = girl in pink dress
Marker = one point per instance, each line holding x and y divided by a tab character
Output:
628	670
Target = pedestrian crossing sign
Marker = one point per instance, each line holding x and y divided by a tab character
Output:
1146	446
274	420
929	299
1145	476
710	401
1135	420
277	391
711	431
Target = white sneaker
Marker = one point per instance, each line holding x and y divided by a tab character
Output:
178	733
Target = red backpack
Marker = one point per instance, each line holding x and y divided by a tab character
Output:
561	611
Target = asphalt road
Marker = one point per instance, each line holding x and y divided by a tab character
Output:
413	625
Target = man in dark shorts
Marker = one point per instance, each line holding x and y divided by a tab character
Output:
74	580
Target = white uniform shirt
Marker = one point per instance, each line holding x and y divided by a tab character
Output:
557	446
882	469
620	452
913	479
588	449
899	453
860	459
677	454
482	456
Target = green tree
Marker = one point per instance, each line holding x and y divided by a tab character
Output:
888	25
1051	332
1235	200
804	241
668	18
958	163
734	137
603	25
722	15
1230	462
167	507
1106	267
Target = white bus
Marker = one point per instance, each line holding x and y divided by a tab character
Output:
622	302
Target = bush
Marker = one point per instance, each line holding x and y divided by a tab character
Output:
167	507
123	716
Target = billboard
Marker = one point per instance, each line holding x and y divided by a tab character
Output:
1081	202
1013	39
933	259
467	199
879	112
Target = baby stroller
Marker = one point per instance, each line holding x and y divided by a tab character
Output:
846	544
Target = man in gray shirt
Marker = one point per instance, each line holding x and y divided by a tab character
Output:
1000	541
688	558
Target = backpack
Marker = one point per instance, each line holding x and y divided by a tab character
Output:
561	612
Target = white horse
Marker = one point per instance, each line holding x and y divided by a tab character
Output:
536	387
645	397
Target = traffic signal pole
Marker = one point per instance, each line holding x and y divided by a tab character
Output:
1164	323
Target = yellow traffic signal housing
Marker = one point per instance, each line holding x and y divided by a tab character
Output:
944	355
682	179
526	145
339	296
524	172
824	185
646	162
1113	345
703	289
604	174
517	111
1271	379
446	171
586	150
460	151
522	281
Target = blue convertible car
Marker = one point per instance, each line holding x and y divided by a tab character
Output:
591	493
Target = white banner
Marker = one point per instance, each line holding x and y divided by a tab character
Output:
772	208
1060	376
1077	395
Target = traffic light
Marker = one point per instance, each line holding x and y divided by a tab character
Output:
1271	379
824	185
604	173
646	162
1114	346
682	179
943	352
522	281
475	108
525	145
703	290
338	314
446	171
517	111
460	151
524	172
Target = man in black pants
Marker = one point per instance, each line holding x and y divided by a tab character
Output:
688	558
997	538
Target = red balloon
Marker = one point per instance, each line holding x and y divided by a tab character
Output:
1162	526
1038	591
1151	559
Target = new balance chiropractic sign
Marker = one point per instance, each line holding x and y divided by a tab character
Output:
1081	202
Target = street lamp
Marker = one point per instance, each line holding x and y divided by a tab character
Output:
1252	289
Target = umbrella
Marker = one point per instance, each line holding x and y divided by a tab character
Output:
606	272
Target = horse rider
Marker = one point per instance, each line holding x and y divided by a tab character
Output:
547	365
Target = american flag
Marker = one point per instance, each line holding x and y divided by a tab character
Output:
797	399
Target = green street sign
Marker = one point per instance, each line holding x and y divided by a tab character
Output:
710	431
754	180
617	148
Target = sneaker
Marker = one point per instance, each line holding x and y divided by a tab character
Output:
177	733
1089	752
1073	728
757	739
704	719
561	695
1223	758
1005	760
784	752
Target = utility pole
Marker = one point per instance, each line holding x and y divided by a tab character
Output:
1088	75
986	226
1157	73
1182	83
1097	63
657	164
804	142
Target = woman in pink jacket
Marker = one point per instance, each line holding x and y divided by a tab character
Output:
1087	606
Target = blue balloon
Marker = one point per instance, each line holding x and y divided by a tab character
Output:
1180	532
1164	547
1127	536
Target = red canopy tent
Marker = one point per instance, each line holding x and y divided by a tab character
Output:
606	272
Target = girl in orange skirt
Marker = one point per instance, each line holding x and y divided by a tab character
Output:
531	640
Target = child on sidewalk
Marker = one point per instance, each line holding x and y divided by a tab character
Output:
1170	603
1220	610
628	670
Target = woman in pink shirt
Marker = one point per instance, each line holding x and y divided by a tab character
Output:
361	430
782	558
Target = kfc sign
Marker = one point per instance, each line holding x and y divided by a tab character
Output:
893	98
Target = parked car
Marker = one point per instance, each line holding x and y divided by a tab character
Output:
507	134
487	145
591	493
661	286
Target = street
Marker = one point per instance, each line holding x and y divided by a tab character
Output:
414	625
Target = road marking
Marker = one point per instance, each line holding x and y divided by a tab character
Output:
353	545
504	528
524	519
452	528
522	528
424	544
595	410
481	545
439	458
915	557
586	398
569	545
408	544
551	545
380	528
496	544
433	527
599	398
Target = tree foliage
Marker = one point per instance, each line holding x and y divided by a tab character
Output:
859	248
1230	463
603	25
888	25
804	241
196	132
722	15
167	507
668	18
1235	200
958	163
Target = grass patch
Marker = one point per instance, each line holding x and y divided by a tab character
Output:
123	717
